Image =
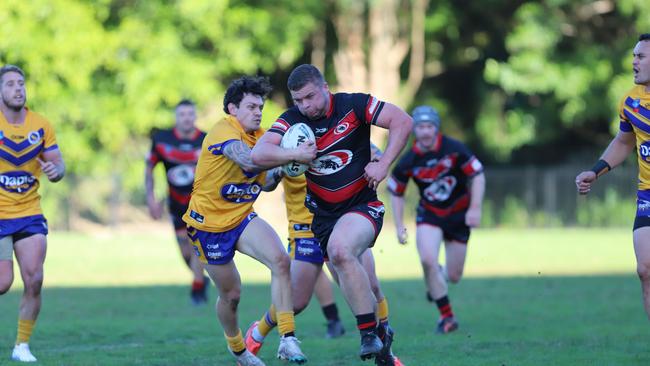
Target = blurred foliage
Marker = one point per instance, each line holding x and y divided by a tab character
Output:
612	210
518	81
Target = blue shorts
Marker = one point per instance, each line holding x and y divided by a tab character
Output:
217	248
23	227
305	250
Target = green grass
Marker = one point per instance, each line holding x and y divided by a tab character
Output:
530	297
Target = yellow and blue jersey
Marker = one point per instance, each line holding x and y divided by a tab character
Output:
223	193
299	217
634	115
20	146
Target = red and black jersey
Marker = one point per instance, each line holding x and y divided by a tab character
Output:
442	175
335	179
179	157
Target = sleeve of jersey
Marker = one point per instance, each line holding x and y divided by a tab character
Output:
216	141
398	179
49	138
153	157
367	107
280	126
472	167
624	122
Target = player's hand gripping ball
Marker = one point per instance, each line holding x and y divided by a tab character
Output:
296	135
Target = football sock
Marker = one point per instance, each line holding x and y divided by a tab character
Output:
268	322
236	343
331	312
286	323
366	323
25	328
382	311
444	307
197	285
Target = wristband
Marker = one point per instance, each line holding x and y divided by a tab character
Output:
601	167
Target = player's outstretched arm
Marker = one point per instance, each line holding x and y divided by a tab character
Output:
399	125
267	152
476	193
155	207
52	165
620	147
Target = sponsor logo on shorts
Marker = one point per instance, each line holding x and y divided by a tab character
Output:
212	246
301	227
17	181
214	255
643	207
377	211
331	163
196	251
241	193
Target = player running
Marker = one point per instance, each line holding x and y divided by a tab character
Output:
221	219
178	149
341	182
634	131
27	148
451	184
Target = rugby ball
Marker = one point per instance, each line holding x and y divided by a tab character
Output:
296	135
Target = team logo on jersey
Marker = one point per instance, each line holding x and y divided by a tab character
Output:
34	137
241	193
635	105
17	181
331	162
440	189
341	128
181	175
320	130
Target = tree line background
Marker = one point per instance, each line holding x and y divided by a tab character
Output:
523	83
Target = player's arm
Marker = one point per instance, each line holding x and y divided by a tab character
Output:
273	178
399	125
476	193
240	153
397	205
52	165
267	152
619	148
375	152
155	207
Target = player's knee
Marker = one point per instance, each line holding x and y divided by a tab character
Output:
339	256
643	270
429	264
231	298
5	284
455	276
298	307
34	283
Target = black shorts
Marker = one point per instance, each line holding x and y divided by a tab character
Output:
176	212
641	221
322	226
453	226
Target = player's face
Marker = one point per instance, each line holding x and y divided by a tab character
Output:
312	100
641	63
13	90
249	112
425	134
185	118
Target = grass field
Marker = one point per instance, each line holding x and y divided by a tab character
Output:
530	297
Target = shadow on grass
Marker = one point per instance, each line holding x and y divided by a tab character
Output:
504	321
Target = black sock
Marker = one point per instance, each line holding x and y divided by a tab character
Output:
331	312
240	352
366	323
290	334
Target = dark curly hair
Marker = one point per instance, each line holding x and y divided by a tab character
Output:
256	85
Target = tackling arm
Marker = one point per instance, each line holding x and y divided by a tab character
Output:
267	153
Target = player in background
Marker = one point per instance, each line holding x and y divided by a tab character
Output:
342	182
178	149
451	184
221	219
634	131
27	148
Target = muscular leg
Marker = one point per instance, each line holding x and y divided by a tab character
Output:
305	278
227	280
30	254
428	239
642	251
351	235
455	253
